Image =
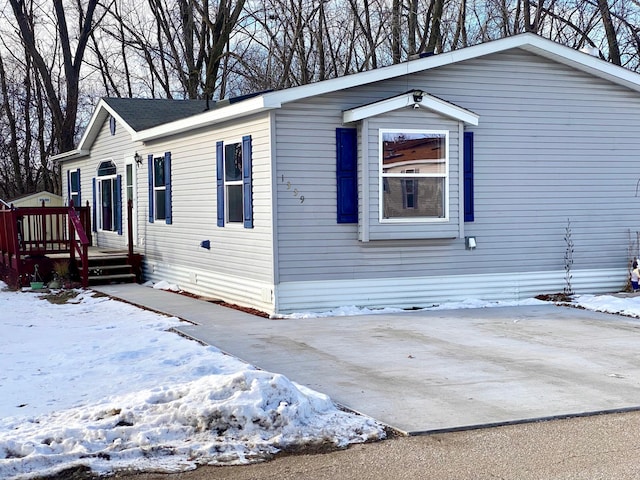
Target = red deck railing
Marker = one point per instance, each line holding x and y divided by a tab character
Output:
40	231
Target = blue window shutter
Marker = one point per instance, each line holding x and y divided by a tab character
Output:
468	177
347	174
69	187
150	165
220	181
94	216
79	188
247	186
118	201
167	184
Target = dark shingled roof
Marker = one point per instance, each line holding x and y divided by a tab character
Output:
143	113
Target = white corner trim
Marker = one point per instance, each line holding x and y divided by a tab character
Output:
406	100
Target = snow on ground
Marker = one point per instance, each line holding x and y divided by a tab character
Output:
101	383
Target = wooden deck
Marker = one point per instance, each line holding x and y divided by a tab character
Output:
43	241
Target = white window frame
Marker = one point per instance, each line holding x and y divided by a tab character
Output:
74	193
129	162
228	183
156	189
112	180
382	176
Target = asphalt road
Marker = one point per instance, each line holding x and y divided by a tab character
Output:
598	447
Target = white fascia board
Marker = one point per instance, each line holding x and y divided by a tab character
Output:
589	64
402	101
449	110
240	109
70	155
393	71
527	41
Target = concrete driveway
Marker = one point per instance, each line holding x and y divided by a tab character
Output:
427	371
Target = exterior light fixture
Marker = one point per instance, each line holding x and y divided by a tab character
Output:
138	158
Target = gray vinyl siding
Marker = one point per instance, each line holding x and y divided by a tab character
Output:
553	145
106	147
235	251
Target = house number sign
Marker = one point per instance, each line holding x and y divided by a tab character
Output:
295	191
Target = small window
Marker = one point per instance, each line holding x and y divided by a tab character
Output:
159	188
234	185
159	176
233	181
74	187
413	179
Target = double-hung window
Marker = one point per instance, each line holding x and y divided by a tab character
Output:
159	189
414	168
159	172
234	182
73	180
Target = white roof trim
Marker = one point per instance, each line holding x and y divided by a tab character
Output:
235	110
527	41
70	155
407	100
95	124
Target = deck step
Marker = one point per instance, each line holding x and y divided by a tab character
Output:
106	269
118	278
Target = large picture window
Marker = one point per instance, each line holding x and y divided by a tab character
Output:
414	168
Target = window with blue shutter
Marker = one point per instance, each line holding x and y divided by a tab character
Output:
347	175
234	182
247	186
468	177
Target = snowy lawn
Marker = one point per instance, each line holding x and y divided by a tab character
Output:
100	383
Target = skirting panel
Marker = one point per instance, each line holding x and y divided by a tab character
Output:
235	290
426	291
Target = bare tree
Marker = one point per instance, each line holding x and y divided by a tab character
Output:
62	104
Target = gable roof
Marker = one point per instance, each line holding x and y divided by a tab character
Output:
260	102
415	98
144	113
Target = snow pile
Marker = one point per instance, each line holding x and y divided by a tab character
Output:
624	305
101	383
354	310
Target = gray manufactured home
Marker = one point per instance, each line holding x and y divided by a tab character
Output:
444	178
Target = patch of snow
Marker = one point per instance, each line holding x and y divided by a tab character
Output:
101	383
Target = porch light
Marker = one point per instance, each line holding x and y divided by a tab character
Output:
138	158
